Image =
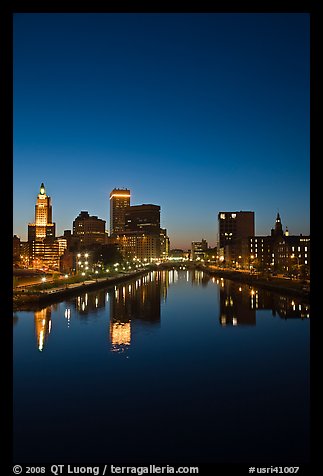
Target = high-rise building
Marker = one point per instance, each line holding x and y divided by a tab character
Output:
235	226
142	237
43	226
164	244
89	229
119	202
141	246
143	218
43	249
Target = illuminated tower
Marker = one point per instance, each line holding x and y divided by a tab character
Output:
43	226
119	202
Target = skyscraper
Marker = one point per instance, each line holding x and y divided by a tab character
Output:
43	226
89	229
43	249
144	218
119	202
235	226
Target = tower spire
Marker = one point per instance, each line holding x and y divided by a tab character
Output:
278	226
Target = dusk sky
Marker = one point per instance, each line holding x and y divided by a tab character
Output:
197	113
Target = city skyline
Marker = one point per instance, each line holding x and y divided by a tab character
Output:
198	113
132	206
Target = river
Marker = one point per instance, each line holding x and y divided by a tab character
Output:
174	367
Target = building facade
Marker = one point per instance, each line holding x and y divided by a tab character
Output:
119	202
164	244
198	249
43	226
142	246
143	218
89	229
235	228
142	238
281	252
43	248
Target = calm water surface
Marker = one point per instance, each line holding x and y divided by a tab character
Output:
172	367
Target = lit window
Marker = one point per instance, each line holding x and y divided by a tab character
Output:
222	216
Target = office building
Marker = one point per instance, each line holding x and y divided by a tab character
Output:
141	246
198	250
45	254
43	226
164	244
89	229
43	249
235	228
143	218
142	238
235	225
119	202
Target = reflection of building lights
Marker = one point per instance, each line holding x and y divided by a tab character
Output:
120	333
41	340
234	321
223	320
67	313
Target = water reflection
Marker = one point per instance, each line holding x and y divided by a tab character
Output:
133	302
89	303
209	390
43	325
137	303
237	304
240	302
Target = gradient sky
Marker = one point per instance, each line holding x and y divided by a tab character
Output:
197	113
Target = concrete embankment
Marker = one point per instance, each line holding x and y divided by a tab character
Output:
281	285
28	300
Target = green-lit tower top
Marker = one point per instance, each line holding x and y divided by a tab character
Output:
42	189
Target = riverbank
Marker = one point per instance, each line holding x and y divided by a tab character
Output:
28	300
275	284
